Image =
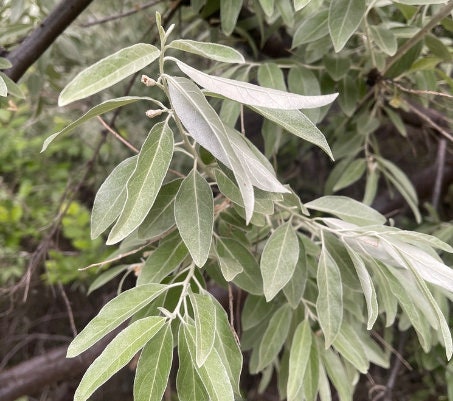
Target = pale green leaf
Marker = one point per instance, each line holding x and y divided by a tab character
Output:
153	367
12	87
254	95
196	6
227	347
255	310
300	4
93	112
213	51
267	6
311	28
115	312
349	345
117	354
270	75
229	13
351	174
369	291
302	80
188	382
285	7
349	95
111	197
145	182
311	377
108	72
205	323
416	238
250	279
278	260
344	19
295	122
229	263
3	88
337	67
329	304
384	39
298	360
213	373
294	290
5	63
164	260
397	121
274	336
347	209
205	126
419	2
105	277
194	215
338	374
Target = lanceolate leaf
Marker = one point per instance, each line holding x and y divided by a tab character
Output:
298	360
117	354
267	6
279	259
349	345
3	88
205	323
344	19
254	95
213	51
145	182
12	87
108	72
205	126
93	112
194	215
111	196
229	264
229	12
154	366
117	311
329	304
295	122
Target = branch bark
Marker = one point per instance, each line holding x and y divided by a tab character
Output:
34	45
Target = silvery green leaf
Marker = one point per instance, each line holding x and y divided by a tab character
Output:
274	336
337	374
153	368
294	290
417	238
213	51
3	88
267	6
102	108
302	80
145	182
254	95
108	72
329	304
117	354
300	4
194	215
115	312
349	345
5	63
250	279
295	122
111	196
164	260
161	217
286	10
255	310
12	87
347	209
205	126
278	260
337	67
311	29
229	264
271	76
204	312
229	13
344	19
351	174
298	360
105	277
384	38
311	377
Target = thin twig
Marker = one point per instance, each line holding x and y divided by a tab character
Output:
127	13
419	92
117	136
395	368
230	306
68	308
441	153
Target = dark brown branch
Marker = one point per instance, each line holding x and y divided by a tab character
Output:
23	56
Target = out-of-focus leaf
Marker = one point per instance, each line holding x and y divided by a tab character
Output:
267	6
397	121
352	173
229	264
108	72
384	38
312	28
300	4
250	279
114	313
213	51
337	67
12	88
286	10
153	367
229	13
255	310
105	277
271	76
302	80
278	260
194	215
117	354
145	182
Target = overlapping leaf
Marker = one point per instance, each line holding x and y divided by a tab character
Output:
213	51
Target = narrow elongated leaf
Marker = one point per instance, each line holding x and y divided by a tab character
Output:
145	182
163	261
295	288
188	382
278	260
385	39
229	264
5	63
105	277
194	215
250	279
93	112
347	209
267	6
213	51
351	174
270	75
295	122
3	88
205	323
205	126
329	304
311	377
337	374
298	360
117	354
300	4
254	95
111	196
108	72
344	19
154	366
255	310
349	345
312	28
229	13
274	336
213	373
12	87
117	311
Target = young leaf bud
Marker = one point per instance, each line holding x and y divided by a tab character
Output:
148	81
